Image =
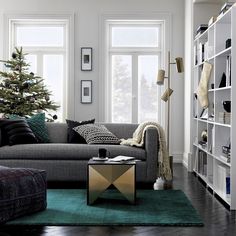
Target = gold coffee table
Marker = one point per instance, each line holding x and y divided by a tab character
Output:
102	174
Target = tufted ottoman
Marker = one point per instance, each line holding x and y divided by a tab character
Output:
22	191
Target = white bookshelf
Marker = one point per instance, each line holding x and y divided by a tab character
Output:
209	162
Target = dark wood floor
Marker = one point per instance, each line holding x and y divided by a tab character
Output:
217	219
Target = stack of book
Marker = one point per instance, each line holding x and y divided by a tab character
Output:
225	117
201	28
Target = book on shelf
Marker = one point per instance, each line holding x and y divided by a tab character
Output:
202	163
223	180
225	117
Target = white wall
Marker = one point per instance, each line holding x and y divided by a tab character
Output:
188	77
87	15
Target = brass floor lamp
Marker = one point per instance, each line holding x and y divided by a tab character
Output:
166	95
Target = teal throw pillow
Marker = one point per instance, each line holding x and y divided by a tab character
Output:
37	125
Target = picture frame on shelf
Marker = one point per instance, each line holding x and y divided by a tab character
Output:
86	59
86	91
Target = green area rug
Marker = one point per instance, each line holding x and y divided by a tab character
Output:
69	207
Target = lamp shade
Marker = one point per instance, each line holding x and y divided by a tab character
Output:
179	64
160	77
167	94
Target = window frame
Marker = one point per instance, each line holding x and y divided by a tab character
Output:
67	19
135	52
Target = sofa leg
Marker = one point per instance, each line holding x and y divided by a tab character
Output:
171	165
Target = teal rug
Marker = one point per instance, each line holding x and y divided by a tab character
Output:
69	207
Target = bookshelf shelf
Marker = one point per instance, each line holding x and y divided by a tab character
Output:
210	160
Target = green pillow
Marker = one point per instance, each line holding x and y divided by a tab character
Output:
37	125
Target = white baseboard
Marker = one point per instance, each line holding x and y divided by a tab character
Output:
177	157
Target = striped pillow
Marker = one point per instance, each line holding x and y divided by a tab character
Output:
96	134
17	132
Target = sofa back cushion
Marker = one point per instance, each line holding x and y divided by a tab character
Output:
121	130
58	131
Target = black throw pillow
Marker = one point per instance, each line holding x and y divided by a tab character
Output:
73	136
16	132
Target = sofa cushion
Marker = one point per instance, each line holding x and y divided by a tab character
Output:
65	151
73	136
97	134
38	126
17	132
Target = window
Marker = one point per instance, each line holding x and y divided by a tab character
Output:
135	53
45	42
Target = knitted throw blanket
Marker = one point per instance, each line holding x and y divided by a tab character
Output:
163	156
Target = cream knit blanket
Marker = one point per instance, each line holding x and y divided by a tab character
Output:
163	156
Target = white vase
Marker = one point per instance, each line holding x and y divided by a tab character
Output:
159	184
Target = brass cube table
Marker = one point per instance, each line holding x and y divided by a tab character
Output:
102	174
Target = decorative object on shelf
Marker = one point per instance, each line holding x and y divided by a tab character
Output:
23	93
227	106
202	90
166	96
228	43
225	8
211	116
204	135
201	28
86	59
212	20
223	81
226	154
86	91
204	114
212	86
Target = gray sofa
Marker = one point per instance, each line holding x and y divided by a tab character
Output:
68	162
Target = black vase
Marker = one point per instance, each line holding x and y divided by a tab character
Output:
227	106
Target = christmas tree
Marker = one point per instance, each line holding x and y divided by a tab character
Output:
21	92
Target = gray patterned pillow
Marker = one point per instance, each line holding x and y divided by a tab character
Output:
96	134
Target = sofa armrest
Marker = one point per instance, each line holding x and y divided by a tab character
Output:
151	148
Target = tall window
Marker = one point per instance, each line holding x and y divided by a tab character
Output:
135	53
45	42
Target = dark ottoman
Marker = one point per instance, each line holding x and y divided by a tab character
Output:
22	191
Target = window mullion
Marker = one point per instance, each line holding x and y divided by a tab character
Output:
135	88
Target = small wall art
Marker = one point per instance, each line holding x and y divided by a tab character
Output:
86	59
86	91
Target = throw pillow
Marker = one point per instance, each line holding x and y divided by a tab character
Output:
96	134
74	137
38	126
17	132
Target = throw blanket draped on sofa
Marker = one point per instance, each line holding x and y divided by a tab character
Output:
163	155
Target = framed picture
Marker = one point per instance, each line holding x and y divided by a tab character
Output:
86	91
86	59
